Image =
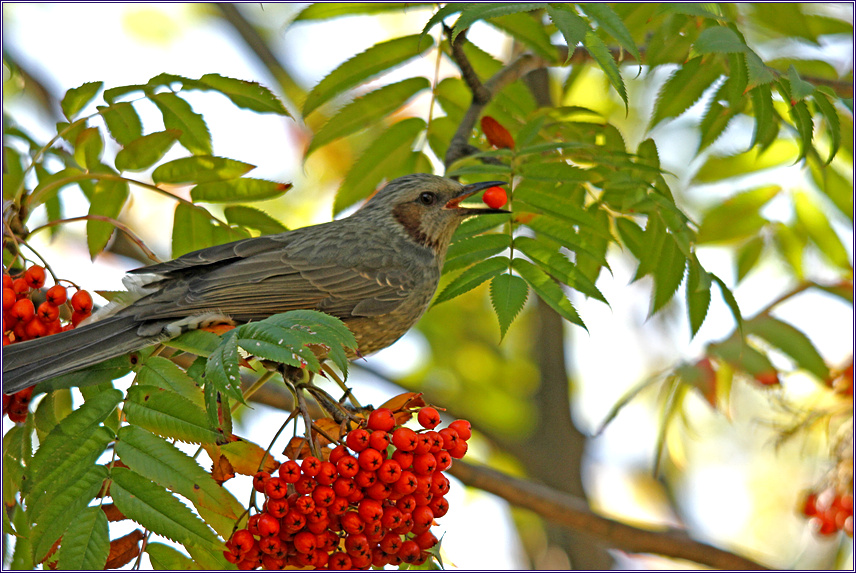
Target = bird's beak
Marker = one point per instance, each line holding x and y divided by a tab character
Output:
472	189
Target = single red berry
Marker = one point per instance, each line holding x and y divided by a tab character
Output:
406	483
77	318
352	522
444	460
370	459
289	472
428	417
348	466
305	542
271	545
495	197
343	486
23	310
381	419
310	466
404	459
9	298
405	439
277	507
253	524
35	276
365	479
81	301
47	312
356	544
327	473
459	451
379	490
439	506
243	541
389	471
425	540
379	440
276	488
439	484
337	453
409	551
20	286
259	481
323	495
370	510
391	543
293	521
35	328
464	429
305	485
424	464
7	281
339	561
358	439
268	525
56	295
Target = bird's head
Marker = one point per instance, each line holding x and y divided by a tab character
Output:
427	207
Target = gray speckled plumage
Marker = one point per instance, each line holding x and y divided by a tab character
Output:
377	270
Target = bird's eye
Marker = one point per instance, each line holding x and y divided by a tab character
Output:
427	198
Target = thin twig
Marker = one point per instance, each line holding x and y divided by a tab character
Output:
119	225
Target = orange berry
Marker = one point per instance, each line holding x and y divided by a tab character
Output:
35	276
9	298
20	286
57	295
23	310
82	302
77	318
7	281
48	312
36	328
495	197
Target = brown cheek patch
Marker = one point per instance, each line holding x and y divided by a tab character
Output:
409	216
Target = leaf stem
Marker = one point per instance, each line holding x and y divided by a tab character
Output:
121	226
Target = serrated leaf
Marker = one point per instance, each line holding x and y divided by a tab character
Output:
143	152
166	558
222	372
156	509
94	375
163	373
478	225
472	277
559	206
801	117
529	32
168	414
553	172
819	230
713	124
109	198
790	245
508	294
748	256
738	217
603	57
557	265
53	521
379	58
245	94
467	251
253	218
367	110
570	24
164	464
177	114
238	190
248	458
76	99
122	121
758	71
608	21
382	159
728	296
683	88
800	89
86	542
192	229
719	40
87	148
698	295
791	341
471	13
200	169
832	122
668	273
547	290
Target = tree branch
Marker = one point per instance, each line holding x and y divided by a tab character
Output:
573	513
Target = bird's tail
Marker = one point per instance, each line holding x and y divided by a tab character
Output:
28	363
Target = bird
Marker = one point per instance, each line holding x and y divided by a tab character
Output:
376	270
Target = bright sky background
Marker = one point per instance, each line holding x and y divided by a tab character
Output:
129	43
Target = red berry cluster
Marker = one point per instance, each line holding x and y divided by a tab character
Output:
830	511
371	503
22	320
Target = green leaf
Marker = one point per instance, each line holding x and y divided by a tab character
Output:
719	40
547	290
528	31
766	126
164	464
559	206
698	295
145	151
367	110
557	266
800	89
198	342
738	217
192	229
63	508
245	94
379	58
87	148
330	10
834	185
382	159
122	121
758	71
162	373
718	168
715	120
177	114
741	355
109	198
608	21
508	294
830	114
790	245
200	169
819	230
22	558
222	372
728	296
156	509
791	341
467	251
472	277
553	172
801	117
166	558
471	13
570	24
86	542
603	57
168	414
683	88
76	99
553	229
748	256
253	218
94	375
668	273
478	225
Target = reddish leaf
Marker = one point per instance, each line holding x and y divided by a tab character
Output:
496	135
222	470
297	449
124	549
112	512
402	401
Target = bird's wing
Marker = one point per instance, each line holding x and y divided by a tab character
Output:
272	281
